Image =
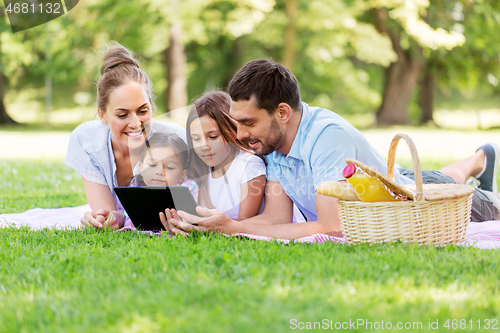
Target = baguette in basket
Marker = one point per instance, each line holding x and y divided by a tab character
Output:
342	190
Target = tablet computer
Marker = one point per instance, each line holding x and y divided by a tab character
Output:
143	204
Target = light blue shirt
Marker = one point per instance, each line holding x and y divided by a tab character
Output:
323	142
90	152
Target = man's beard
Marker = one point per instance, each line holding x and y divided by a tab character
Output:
272	141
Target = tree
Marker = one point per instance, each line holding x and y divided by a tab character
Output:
475	65
447	14
410	35
218	40
426	93
73	64
171	28
400	77
4	116
337	53
175	64
291	9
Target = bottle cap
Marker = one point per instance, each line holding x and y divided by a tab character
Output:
349	170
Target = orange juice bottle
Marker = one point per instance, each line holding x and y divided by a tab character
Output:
369	189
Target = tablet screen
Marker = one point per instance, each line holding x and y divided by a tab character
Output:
144	203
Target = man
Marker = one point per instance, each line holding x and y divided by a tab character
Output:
304	146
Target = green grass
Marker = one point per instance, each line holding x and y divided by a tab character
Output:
86	281
89	281
30	184
39	127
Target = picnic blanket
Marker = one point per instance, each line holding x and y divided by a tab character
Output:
484	235
39	218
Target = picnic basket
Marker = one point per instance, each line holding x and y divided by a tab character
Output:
438	213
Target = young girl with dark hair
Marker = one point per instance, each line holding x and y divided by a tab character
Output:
164	163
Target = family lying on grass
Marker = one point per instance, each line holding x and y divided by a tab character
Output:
249	156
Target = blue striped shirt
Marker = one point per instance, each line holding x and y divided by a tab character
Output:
90	152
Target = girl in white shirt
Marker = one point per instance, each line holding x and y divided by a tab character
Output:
231	178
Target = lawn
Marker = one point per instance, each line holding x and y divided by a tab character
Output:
88	281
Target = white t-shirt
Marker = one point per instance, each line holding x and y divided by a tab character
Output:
225	191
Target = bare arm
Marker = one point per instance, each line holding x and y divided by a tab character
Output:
328	222
103	207
98	196
252	193
275	197
328	219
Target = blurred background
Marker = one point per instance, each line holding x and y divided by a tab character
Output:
376	62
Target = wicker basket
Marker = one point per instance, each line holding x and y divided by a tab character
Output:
438	213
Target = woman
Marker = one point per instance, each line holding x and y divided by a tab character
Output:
105	151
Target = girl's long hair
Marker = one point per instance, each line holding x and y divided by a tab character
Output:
214	104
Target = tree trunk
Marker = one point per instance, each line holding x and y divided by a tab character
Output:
233	62
400	77
4	116
48	80
291	8
175	63
426	95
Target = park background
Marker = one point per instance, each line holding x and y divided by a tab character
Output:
377	62
426	68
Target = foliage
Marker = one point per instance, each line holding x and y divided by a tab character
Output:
340	55
475	65
409	15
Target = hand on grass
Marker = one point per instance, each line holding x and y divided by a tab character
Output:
104	218
112	219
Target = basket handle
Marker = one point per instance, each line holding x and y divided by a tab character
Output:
416	163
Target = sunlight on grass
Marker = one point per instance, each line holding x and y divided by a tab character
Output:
139	324
430	143
33	146
32	114
466	119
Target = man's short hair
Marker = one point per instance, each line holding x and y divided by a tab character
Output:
269	82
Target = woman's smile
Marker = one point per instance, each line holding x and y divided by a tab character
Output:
135	134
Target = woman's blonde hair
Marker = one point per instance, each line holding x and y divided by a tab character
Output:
118	68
